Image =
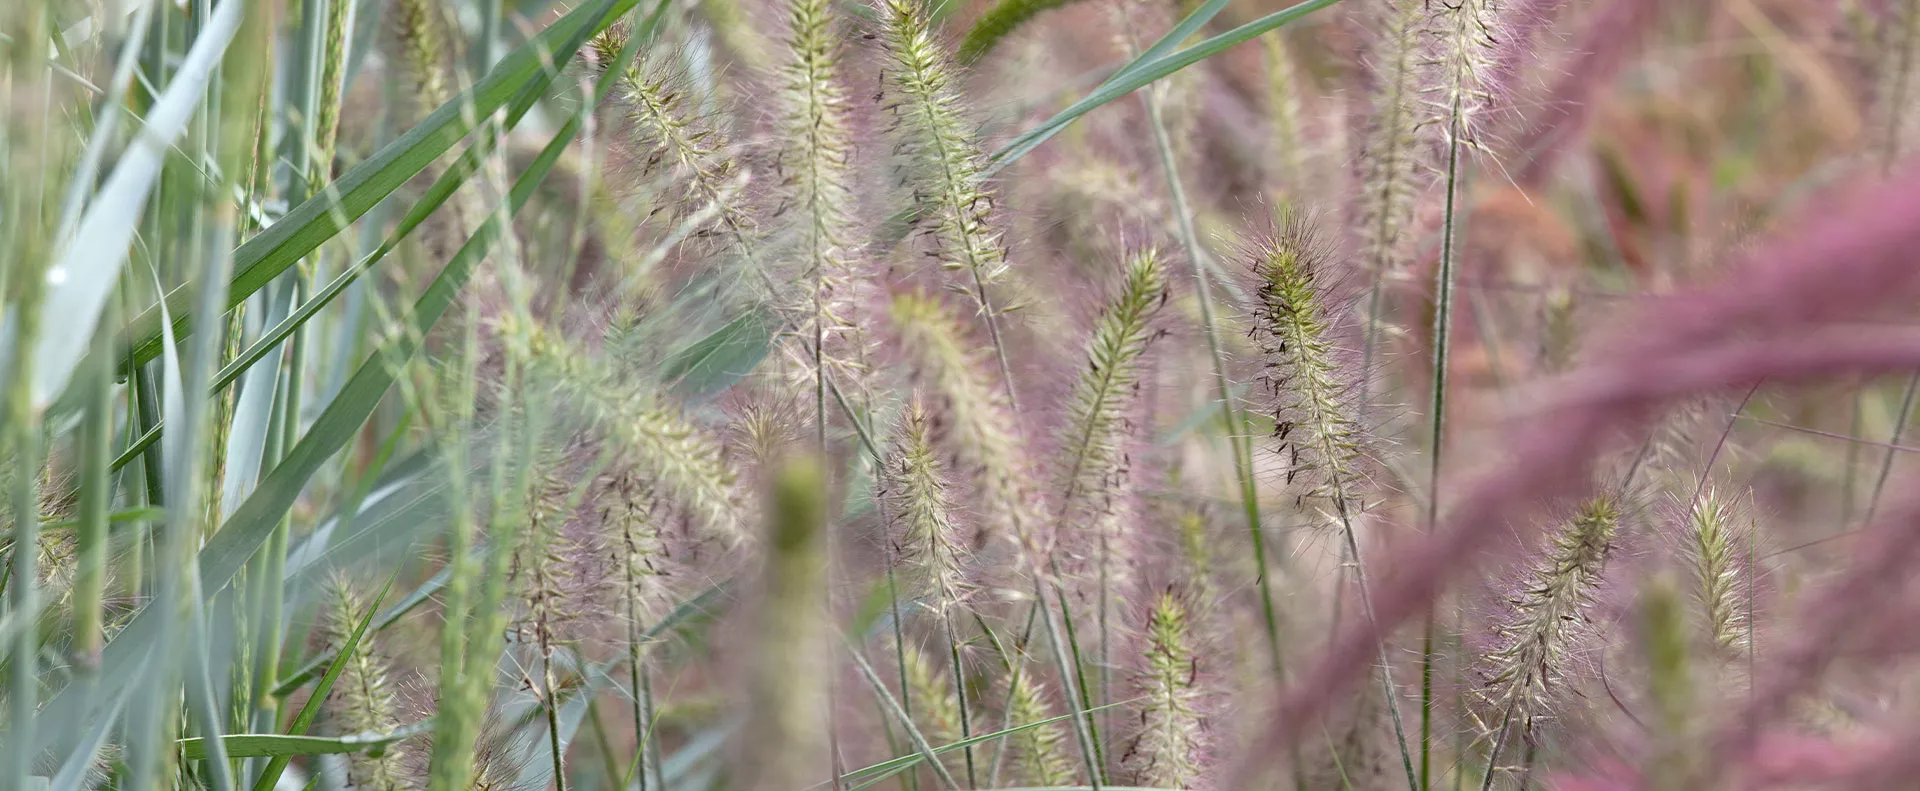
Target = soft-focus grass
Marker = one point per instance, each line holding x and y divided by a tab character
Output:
274	324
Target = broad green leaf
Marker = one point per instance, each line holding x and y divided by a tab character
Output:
89	263
713	363
274	745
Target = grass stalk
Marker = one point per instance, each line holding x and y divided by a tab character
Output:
1237	435
96	500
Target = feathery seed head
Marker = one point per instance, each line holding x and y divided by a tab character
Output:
672	137
936	712
1096	412
423	52
363	699
1166	751
1040	753
1315	423
1534	635
603	50
979	424
815	159
1717	569
1283	105
928	538
942	151
1467	35
1663	637
1388	170
685	464
632	518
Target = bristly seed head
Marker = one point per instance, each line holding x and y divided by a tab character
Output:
1166	751
653	438
363	699
815	157
1313	421
1535	634
943	153
1467	34
1040	753
979	423
1096	413
671	137
1717	570
917	492
1387	177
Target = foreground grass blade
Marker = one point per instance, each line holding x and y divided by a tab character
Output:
273	745
252	523
317	219
89	266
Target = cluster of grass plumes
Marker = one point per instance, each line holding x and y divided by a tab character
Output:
910	395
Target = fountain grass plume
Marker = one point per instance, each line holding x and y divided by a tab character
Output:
1534	635
1285	84
1388	164
928	538
1535	632
672	137
1716	570
978	421
1166	751
363	699
1096	411
1314	418
423	51
815	155
944	163
1039	753
1313	421
936	709
653	438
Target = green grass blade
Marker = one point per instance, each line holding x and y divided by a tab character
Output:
84	275
271	777
317	219
274	745
75	773
715	362
1155	63
252	523
429	201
